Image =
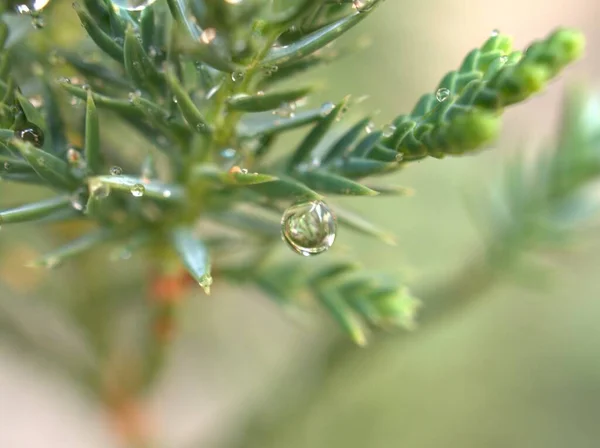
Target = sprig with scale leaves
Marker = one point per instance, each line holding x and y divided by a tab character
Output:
198	79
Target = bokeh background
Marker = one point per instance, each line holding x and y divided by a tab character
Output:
518	368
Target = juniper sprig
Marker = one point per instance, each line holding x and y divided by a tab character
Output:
201	82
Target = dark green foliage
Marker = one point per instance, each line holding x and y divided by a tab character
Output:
188	76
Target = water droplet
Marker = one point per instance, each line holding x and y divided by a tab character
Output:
260	93
503	59
6	166
388	130
167	194
138	190
309	228
370	127
98	189
120	253
31	133
206	282
78	200
133	96
116	170
237	76
73	156
37	21
495	32
327	108
208	35
399	157
442	94
286	110
51	262
28	6
362	5
36	101
133	5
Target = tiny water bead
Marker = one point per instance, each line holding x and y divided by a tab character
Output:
206	282
99	189
370	127
286	110
137	190
327	108
116	170
31	133
208	35
28	6
309	228
442	94
237	76
362	5
132	5
388	130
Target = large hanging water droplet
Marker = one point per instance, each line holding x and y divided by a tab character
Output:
27	6
133	5
309	228
31	133
138	190
442	94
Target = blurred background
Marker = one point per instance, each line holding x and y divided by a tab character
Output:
518	368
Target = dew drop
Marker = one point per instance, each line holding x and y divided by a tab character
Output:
6	166
362	5
388	130
28	6
495	32
206	282
98	189
442	94
51	262
116	170
309	228
37	21
73	156
370	127
78	200
138	190
327	108
503	59
228	153
208	35
399	157
237	76
286	110
132	5
31	133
